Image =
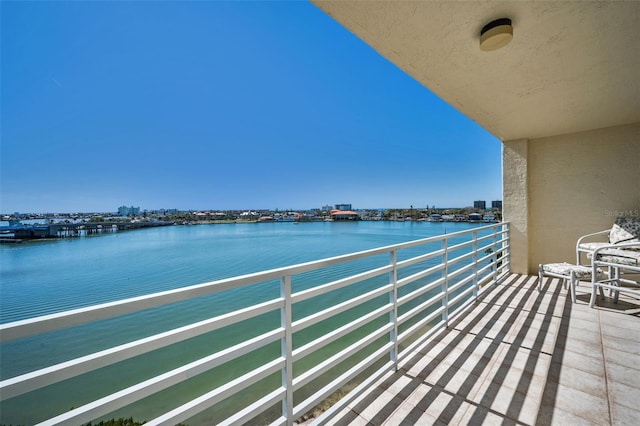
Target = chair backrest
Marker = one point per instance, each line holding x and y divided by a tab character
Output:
625	230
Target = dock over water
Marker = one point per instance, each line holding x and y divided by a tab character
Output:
68	230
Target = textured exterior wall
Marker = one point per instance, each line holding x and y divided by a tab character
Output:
575	184
515	200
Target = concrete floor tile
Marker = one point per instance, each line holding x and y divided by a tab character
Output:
621	331
620	344
583	324
538	340
379	409
436	351
625	359
476	415
579	403
589	362
551	305
497	329
492	314
407	414
542	322
421	367
439	404
621	394
378	386
402	386
556	416
619	319
625	375
458	382
456	351
503	375
460	344
504	294
512	404
514	357
582	312
474	363
622	415
593	384
472	354
346	417
433	375
584	342
578	333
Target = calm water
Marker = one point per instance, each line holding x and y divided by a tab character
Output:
42	277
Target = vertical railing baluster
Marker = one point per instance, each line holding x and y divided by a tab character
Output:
494	247
474	247
506	254
393	315
287	348
445	283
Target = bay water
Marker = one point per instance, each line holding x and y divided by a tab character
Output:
43	277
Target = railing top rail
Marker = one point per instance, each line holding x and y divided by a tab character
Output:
50	322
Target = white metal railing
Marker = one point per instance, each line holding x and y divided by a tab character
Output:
422	286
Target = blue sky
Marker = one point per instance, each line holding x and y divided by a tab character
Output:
220	105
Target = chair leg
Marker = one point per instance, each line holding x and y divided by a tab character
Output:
594	280
616	293
593	296
572	284
540	277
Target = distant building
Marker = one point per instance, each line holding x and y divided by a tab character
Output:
489	218
496	204
344	215
480	204
343	207
128	211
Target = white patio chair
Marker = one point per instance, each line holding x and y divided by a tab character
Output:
620	255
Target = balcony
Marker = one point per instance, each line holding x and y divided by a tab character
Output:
518	356
430	330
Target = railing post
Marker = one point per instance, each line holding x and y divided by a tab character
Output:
495	255
287	349
506	254
445	284
393	315
474	247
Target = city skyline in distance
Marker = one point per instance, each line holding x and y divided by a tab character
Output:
137	210
231	105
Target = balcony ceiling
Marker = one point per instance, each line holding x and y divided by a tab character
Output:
572	66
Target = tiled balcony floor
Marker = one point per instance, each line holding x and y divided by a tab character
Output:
519	356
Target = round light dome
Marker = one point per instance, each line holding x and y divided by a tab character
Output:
496	34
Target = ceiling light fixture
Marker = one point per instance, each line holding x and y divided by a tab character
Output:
496	34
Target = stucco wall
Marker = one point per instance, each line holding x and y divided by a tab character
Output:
576	184
515	200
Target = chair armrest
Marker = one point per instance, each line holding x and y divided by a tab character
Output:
584	237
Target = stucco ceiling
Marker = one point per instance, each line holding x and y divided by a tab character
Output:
572	66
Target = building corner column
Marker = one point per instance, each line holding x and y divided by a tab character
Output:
515	201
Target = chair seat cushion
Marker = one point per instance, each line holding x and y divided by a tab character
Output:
565	269
592	246
619	256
